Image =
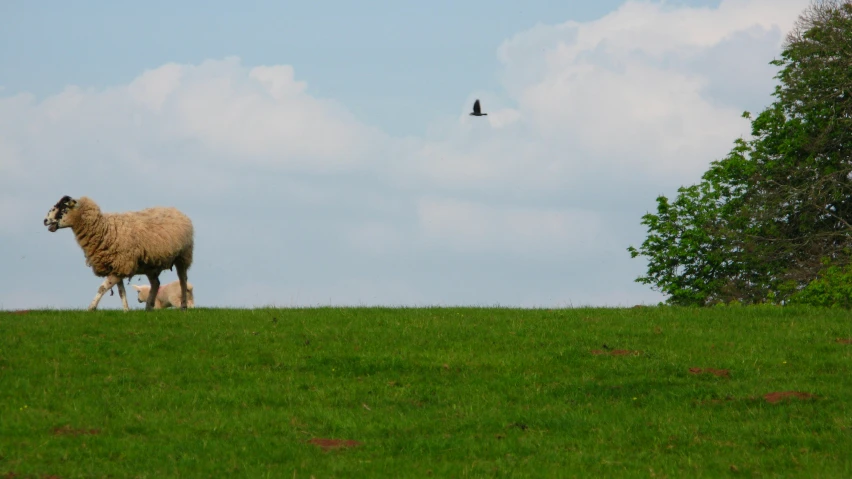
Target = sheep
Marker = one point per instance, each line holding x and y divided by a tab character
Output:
167	296
122	245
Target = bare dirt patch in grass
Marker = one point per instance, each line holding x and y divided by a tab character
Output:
776	397
329	444
67	430
844	340
722	373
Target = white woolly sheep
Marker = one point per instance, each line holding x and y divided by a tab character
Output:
167	296
122	245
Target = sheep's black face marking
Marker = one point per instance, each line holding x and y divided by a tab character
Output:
54	217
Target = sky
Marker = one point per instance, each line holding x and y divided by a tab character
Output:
325	153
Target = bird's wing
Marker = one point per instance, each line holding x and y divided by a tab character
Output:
476	108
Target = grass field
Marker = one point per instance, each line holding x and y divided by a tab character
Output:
440	392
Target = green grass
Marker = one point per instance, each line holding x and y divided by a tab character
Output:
446	392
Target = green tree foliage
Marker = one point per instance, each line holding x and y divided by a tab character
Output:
770	217
833	288
696	244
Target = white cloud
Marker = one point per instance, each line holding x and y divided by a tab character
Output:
350	291
222	110
10	157
625	88
464	163
270	119
653	29
503	118
476	227
153	87
651	121
14	214
376	238
279	81
264	115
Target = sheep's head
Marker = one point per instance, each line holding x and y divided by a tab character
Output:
143	292
55	218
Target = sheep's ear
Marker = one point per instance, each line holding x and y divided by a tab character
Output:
67	202
136	287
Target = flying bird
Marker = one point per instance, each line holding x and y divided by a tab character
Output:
477	111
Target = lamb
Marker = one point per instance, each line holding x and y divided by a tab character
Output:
122	245
167	296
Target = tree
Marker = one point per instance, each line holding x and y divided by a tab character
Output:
773	214
696	244
803	175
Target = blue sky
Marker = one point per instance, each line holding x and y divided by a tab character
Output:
324	151
394	64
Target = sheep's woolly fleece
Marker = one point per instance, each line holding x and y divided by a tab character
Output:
121	245
131	243
167	296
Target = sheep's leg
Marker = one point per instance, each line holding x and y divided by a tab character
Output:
123	295
155	288
107	285
181	272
